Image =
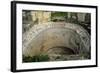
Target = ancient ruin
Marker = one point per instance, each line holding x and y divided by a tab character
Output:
59	35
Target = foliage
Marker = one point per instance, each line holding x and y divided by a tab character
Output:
59	14
36	58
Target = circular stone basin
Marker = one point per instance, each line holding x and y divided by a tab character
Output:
59	41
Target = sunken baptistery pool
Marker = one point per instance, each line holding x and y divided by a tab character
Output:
58	41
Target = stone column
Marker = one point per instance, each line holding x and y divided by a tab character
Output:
81	17
69	15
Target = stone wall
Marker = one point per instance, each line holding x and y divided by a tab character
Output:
41	16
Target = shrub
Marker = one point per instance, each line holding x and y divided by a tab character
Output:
36	58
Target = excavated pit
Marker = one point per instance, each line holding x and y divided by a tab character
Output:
64	42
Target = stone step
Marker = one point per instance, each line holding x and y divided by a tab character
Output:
55	57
